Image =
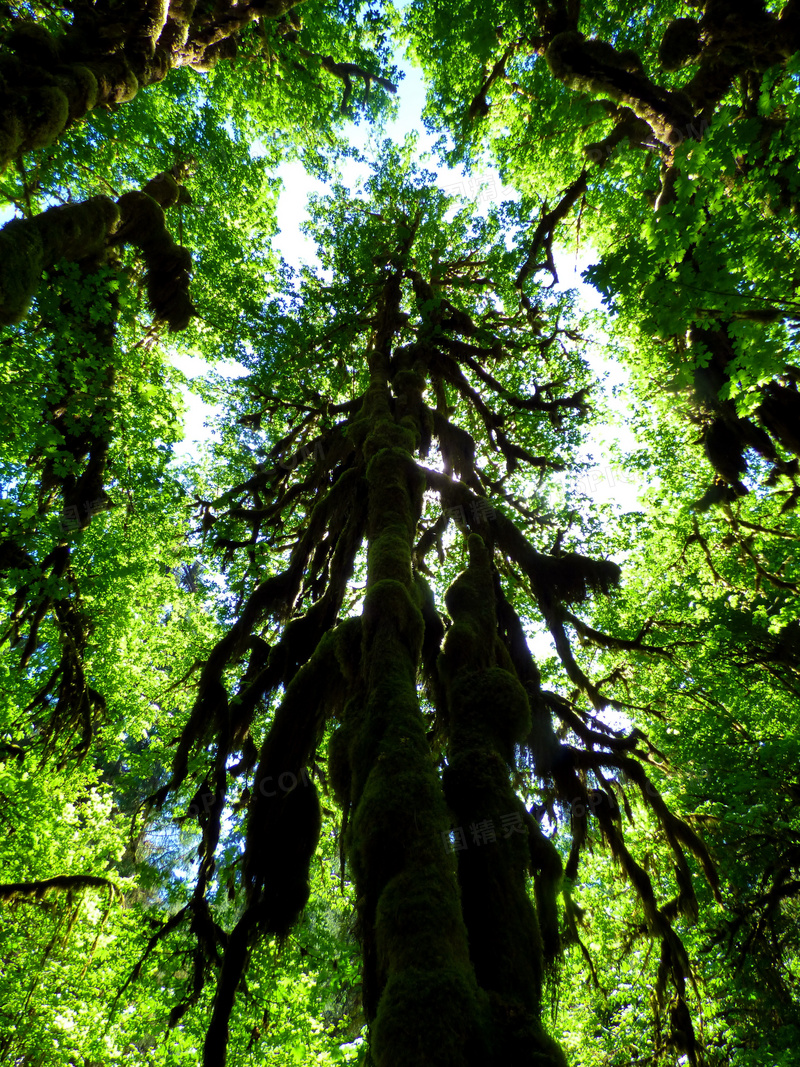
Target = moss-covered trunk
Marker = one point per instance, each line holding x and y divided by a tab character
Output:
488	716
109	52
420	994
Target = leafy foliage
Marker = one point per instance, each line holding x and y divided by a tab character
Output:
282	777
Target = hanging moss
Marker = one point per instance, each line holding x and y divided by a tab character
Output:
348	647
433	633
286	853
21	265
339	763
282	831
167	264
76	231
278	827
548	878
11	135
63	883
457	447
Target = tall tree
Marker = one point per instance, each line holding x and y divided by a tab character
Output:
299	668
663	146
436	324
424	342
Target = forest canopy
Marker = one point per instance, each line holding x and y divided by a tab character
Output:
391	724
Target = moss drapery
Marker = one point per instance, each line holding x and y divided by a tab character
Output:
79	245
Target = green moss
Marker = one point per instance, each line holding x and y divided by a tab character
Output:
143	221
494	700
518	1036
348	647
168	264
47	113
383	836
389	727
389	557
81	90
395	500
164	189
339	772
392	465
389	436
299	722
504	940
415	949
572	577
427	1018
11	135
390	599
563	54
408	381
476	780
125	87
282	837
410	424
432	640
465	647
488	714
390	677
22	261
548	868
419	917
73	231
471	596
502	656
